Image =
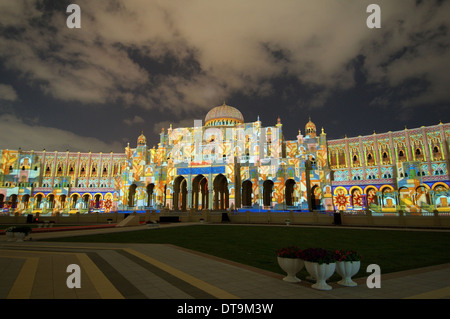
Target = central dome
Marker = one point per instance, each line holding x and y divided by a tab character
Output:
224	115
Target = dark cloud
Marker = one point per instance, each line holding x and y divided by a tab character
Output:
139	65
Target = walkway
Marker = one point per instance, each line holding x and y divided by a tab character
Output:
38	270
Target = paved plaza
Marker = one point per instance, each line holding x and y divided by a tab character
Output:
38	270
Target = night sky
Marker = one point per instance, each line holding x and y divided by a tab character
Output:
142	65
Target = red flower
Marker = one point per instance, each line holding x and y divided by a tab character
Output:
289	252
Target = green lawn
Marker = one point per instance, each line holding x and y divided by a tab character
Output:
255	245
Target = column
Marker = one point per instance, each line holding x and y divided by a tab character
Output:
189	203
427	151
444	146
348	160
394	159
362	158
210	195
377	154
53	172
100	170
408	146
260	194
66	172
88	170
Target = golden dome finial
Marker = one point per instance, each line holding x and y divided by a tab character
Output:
142	140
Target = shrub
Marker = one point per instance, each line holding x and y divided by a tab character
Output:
347	255
318	255
22	229
289	252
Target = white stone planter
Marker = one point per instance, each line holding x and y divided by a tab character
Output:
9	236
347	269
321	273
19	236
291	266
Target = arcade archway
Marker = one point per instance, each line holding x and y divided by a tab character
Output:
200	192
180	193
289	190
221	195
150	200
247	191
131	195
267	193
97	200
315	197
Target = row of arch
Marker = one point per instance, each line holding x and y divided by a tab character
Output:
200	193
39	198
387	188
339	157
369	194
56	185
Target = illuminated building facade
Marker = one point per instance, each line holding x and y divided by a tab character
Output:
225	163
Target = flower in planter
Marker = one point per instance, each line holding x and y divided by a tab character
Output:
22	229
347	255
318	255
10	229
289	252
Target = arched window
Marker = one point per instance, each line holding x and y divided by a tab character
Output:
370	159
